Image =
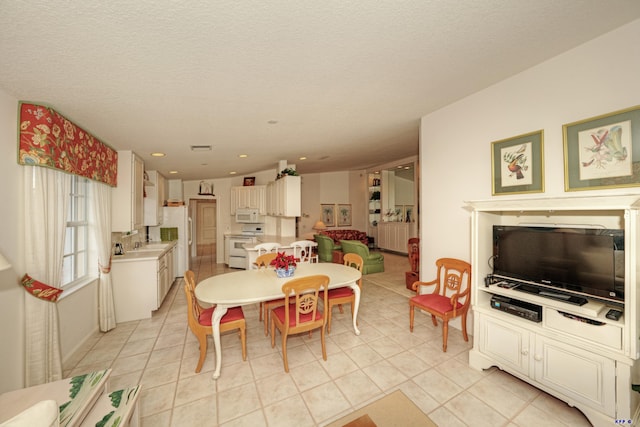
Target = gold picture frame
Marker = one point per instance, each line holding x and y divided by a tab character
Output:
328	214
517	164
344	215
602	152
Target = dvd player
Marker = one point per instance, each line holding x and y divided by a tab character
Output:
518	308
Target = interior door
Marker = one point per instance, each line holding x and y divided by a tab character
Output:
206	227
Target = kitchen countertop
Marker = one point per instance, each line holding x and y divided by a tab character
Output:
145	253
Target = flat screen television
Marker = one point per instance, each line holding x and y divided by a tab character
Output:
585	262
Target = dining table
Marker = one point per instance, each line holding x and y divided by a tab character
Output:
246	287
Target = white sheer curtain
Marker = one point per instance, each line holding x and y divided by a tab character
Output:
46	204
101	207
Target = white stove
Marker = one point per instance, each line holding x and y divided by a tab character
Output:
237	252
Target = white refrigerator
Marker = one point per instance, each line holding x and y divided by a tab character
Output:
176	217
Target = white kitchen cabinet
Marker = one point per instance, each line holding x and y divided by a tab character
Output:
283	197
574	373
252	197
154	198
127	206
140	285
394	236
583	358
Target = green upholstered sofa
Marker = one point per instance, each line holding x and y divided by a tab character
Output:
326	246
373	263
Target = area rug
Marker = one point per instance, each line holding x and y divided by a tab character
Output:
393	410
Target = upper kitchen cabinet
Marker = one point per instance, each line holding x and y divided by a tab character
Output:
251	196
283	197
127	205
154	197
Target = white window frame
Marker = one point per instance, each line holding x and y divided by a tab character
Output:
75	257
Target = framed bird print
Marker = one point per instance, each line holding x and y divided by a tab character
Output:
517	164
603	152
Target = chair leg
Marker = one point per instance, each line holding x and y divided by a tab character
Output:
260	310
243	341
284	353
266	320
202	339
273	333
464	327
324	346
328	310
445	334
411	315
340	308
434	320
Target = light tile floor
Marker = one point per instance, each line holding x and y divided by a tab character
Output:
161	354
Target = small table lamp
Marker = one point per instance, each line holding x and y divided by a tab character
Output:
319	225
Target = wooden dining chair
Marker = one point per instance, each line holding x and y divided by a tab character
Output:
450	298
199	320
264	261
301	311
304	250
345	294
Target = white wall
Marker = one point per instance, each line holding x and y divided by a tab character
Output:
332	188
11	230
596	78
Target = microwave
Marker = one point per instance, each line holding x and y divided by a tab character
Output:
249	216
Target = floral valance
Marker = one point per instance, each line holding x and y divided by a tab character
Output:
49	139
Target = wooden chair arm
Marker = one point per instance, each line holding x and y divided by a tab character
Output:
416	284
456	297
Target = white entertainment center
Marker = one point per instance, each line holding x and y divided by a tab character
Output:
574	353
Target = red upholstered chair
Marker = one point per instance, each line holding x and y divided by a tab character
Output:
345	294
199	319
450	298
264	261
301	311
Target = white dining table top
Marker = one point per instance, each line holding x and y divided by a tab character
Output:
251	286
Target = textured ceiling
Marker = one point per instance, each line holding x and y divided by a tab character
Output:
346	81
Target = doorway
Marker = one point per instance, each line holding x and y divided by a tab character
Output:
205	225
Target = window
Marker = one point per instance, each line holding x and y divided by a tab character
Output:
76	242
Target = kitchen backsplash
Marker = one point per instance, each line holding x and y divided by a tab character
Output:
127	240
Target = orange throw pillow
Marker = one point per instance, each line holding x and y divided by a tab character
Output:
40	290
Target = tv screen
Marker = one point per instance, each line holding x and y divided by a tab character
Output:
582	261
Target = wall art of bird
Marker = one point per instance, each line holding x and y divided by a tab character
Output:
517	162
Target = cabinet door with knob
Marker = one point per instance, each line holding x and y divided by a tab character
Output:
577	374
127	207
507	344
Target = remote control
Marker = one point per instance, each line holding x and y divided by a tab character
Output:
613	314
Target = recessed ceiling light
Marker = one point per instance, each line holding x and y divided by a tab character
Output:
232	173
173	172
242	156
200	148
204	164
302	158
272	122
158	154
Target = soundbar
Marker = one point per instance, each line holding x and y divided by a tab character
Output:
518	308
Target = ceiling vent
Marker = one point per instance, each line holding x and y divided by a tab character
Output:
200	148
